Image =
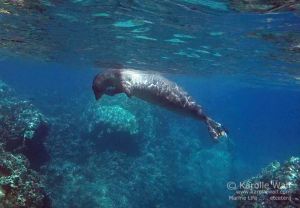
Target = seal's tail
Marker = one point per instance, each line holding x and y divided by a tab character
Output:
215	129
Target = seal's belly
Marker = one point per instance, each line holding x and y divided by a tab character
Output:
156	89
151	96
170	98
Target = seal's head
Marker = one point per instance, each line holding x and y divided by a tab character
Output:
106	83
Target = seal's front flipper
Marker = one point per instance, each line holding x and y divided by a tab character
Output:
127	92
215	129
126	88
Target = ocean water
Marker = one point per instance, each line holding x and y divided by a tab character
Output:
240	62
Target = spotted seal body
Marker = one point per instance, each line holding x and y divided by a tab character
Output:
153	88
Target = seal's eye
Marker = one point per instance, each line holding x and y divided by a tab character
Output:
110	90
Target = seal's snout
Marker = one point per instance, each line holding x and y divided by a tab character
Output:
98	84
95	89
97	96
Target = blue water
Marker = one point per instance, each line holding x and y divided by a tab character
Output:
263	122
246	81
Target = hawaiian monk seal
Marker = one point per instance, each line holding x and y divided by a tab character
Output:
153	88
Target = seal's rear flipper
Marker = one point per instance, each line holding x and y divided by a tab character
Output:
215	129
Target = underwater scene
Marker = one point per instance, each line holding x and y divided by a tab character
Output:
149	103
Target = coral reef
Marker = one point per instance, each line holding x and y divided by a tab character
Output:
125	153
23	128
20	187
277	186
117	125
115	117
